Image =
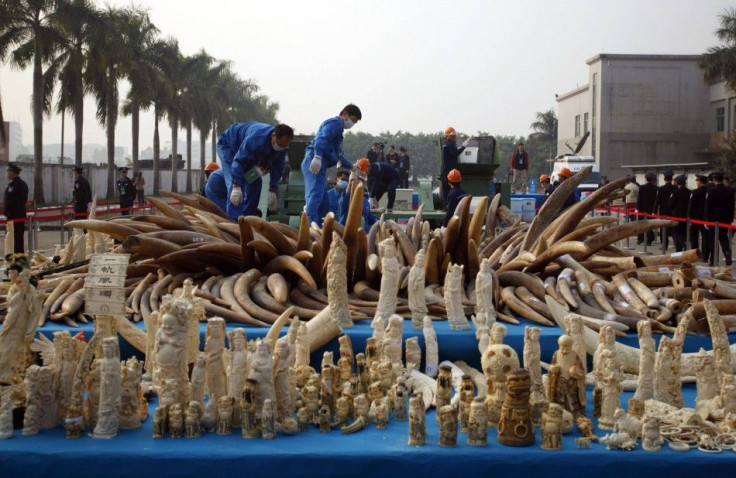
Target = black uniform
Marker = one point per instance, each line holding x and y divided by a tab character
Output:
662	207
719	207
16	196
81	196
698	232
679	201
126	190
404	169
645	204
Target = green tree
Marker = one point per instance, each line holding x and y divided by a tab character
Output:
719	62
75	20
727	158
544	131
28	34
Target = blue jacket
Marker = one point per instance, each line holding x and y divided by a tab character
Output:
254	149
382	173
453	198
328	143
450	153
216	189
368	216
334	196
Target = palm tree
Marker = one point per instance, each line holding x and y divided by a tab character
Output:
26	29
545	129
76	21
106	67
719	62
144	53
170	97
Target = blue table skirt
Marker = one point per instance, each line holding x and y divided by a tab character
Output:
368	453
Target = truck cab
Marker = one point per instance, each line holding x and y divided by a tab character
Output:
575	163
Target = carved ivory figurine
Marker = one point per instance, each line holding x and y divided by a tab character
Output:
444	388
431	359
417	423
346	348
109	408
170	348
6	417
248	406
198	384
478	423
663	367
566	381
706	378
192	321
484	293
176	421
574	328
392	340
611	390
448	426
193	420
390	270
281	379
337	284
551	431
453	294
417	301
498	333
261	370
515	426
413	353
214	347
224	415
19	327
497	361
533	356
647	358
606	341
651	440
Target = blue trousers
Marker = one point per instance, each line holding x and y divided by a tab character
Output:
251	192
315	190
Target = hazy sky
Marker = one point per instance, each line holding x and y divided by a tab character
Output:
411	65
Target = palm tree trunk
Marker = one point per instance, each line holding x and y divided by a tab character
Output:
202	146
111	169
38	196
189	157
78	129
214	140
135	121
156	152
174	154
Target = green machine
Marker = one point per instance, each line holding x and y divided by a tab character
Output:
477	164
291	195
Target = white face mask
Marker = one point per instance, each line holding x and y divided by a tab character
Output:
347	123
342	184
276	147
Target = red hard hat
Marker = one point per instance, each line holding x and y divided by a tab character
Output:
565	173
363	164
213	166
450	131
543	178
454	176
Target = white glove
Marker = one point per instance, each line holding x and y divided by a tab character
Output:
236	196
271	201
467	141
374	203
316	165
354	173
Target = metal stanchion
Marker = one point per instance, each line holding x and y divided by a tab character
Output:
31	232
716	246
61	227
626	219
663	239
687	233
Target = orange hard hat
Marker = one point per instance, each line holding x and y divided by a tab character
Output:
363	164
450	131
213	166
454	176
543	178
565	173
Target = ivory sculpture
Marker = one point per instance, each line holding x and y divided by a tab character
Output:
237	371
31	418
67	367
337	284
415	290
662	369
192	321
497	361
645	380
160	421
443	393
574	328
484	293
19	327
566	381
6	417
176	421
224	415
390	271
269	420
192	420
170	348
346	348
478	423
515	426
248	407
413	353
606	341
130	399
431	359
282	382
108	415
46	398
651	440
611	390
551	431
214	347
302	346
261	370
393	338
400	394
448	426
466	399
719	336
706	379
532	355
417	422
198	384
498	334
675	378
482	332
453	295
374	348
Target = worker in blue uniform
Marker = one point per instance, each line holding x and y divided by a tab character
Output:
456	193
216	188
384	179
450	159
358	174
247	151
341	187
323	152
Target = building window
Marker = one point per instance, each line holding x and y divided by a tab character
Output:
720	119
577	126
585	123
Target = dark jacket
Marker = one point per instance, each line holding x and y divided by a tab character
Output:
647	197
662	203
82	194
450	153
382	173
126	191
404	163
719	204
453	198
697	203
679	201
16	196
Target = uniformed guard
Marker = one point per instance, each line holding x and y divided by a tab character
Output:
16	196
696	211
81	195
679	200
645	203
719	207
662	205
126	191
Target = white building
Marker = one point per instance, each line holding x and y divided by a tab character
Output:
644	112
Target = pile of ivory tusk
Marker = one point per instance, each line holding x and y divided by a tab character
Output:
252	271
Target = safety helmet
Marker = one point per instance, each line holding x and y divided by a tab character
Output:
565	173
363	164
454	176
450	131
213	166
543	178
